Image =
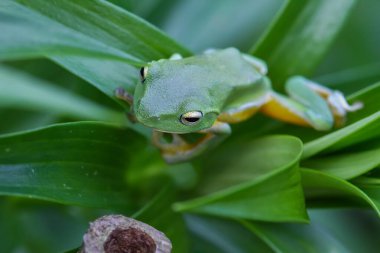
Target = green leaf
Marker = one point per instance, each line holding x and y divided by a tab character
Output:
73	163
28	225
360	131
261	182
106	75
300	36
211	234
371	186
112	28
24	120
352	79
346	165
19	90
296	237
320	186
215	22
356	229
27	34
369	96
331	230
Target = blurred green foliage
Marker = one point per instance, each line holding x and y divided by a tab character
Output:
61	61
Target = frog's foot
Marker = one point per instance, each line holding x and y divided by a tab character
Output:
335	100
310	104
122	94
179	150
339	107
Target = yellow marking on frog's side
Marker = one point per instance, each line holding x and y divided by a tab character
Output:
275	109
238	116
244	112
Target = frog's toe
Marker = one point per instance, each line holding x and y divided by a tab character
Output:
339	107
338	101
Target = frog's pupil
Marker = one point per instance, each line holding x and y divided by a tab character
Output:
142	74
192	120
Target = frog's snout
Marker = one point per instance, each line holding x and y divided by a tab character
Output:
144	115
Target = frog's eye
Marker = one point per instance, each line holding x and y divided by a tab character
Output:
143	73
191	118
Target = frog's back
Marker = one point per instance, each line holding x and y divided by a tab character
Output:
226	68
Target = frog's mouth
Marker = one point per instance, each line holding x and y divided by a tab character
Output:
170	124
169	132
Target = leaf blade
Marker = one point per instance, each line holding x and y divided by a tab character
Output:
110	25
27	34
355	133
74	163
347	165
19	90
248	187
319	185
303	30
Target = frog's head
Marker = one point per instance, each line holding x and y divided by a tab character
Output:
169	98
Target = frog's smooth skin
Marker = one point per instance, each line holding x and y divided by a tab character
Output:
206	93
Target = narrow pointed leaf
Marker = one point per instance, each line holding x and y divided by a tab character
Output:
352	79
296	238
211	234
318	185
370	97
73	163
358	132
106	75
28	34
261	183
330	230
19	90
347	165
371	186
110	26
215	22
300	36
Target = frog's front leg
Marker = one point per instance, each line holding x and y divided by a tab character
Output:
179	149
123	95
310	104
257	63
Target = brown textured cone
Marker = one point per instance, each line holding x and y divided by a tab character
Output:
119	234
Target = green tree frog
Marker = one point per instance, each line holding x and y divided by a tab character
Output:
205	93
